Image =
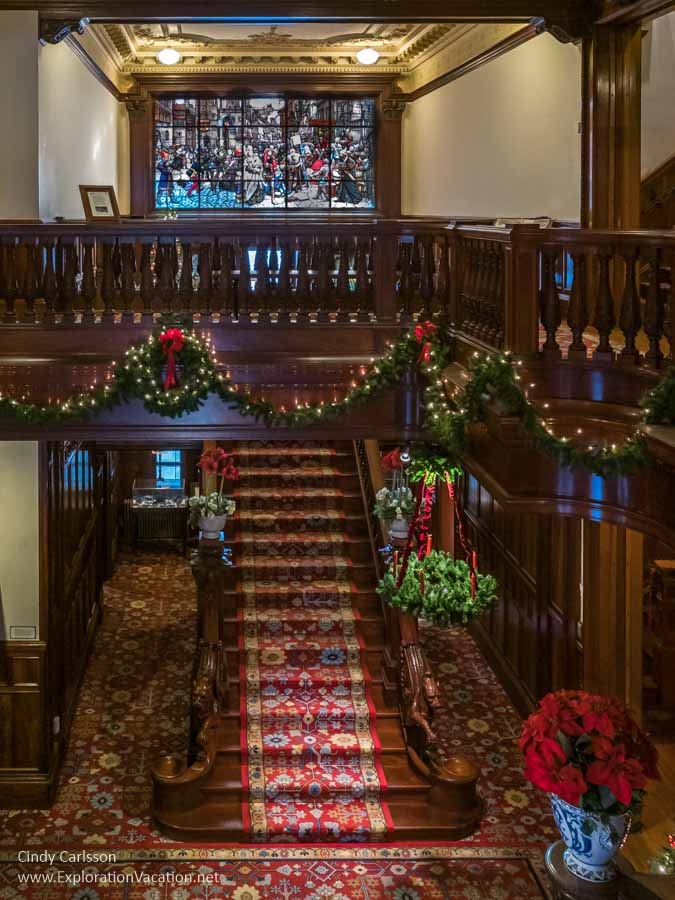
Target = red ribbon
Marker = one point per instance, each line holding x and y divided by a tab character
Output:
423	335
172	341
470	555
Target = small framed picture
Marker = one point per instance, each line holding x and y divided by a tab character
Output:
100	203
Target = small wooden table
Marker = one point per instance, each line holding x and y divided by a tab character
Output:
629	884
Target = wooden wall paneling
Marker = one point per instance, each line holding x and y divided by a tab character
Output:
612	614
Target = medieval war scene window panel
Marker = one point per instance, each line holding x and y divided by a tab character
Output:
264	153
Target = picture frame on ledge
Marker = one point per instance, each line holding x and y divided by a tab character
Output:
100	203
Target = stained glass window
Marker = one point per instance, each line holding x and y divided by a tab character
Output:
264	153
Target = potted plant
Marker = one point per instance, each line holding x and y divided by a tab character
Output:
209	512
438	588
395	504
594	761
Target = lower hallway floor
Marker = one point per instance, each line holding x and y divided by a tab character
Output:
134	707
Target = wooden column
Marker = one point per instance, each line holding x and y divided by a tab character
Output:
612	612
390	111
611	127
139	108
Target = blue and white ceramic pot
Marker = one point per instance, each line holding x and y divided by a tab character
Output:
591	842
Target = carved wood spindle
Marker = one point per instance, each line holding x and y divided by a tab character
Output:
284	277
117	264
500	298
108	283
31	281
577	311
223	291
428	273
262	285
415	270
68	281
244	286
483	292
551	315
273	266
147	281
88	288
604	304
9	280
362	280
654	315
405	283
304	284
629	317
467	287
323	284
166	283
343	293
205	278
50	285
185	283
441	300
489	332
127	280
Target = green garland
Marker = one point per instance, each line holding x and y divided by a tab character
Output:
140	377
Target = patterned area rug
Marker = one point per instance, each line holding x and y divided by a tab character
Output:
335	875
311	755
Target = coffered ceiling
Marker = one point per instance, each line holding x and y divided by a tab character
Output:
406	50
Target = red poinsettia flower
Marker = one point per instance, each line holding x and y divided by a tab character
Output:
392	460
622	776
566	781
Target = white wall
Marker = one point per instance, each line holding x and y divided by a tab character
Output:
19	114
83	135
658	93
501	141
19	535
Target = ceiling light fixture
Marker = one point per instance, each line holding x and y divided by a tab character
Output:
368	56
168	56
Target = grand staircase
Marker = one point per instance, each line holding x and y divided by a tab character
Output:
305	746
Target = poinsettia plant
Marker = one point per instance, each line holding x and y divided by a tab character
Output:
219	462
439	588
586	749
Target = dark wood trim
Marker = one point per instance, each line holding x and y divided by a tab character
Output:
623	11
509	43
90	63
309	10
240	84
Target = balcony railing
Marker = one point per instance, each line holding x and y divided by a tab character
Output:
360	270
565	293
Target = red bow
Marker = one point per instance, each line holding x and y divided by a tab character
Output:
424	333
172	341
392	460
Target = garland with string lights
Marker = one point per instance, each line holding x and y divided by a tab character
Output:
174	372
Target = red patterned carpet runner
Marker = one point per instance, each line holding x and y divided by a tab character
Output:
310	751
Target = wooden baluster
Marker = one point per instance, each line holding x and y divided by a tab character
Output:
550	312
147	282
303	290
117	264
415	271
577	311
384	285
362	280
500	297
166	285
405	283
284	279
68	281
670	299
262	286
108	283
205	278
654	312
483	293
185	283
491	327
604	306
629	317
244	287
323	284
441	300
273	266
343	293
89	289
31	281
427	274
9	280
467	289
50	285
127	280
223	291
